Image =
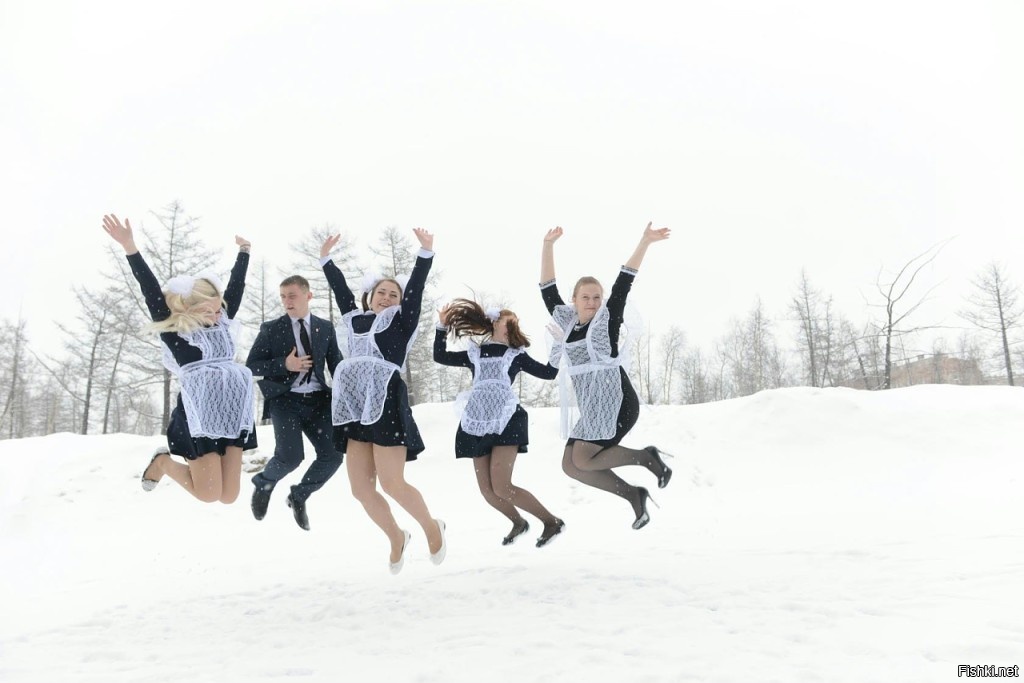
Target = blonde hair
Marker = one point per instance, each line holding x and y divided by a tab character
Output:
188	312
586	280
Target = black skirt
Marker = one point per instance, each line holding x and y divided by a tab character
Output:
181	442
395	427
516	433
629	413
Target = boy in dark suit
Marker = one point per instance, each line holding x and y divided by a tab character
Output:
289	354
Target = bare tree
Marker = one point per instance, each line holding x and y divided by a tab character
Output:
813	312
14	361
996	309
85	345
699	383
121	332
261	303
754	359
672	347
896	308
307	264
640	370
261	300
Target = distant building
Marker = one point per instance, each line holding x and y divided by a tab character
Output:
939	368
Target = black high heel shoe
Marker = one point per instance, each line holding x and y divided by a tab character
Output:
643	517
518	529
666	471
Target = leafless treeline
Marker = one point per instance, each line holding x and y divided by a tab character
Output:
108	377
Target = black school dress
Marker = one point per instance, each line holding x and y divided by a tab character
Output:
516	433
395	426
179	438
629	411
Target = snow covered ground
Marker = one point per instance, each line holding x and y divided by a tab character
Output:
808	535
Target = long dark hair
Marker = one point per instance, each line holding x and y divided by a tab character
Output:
467	318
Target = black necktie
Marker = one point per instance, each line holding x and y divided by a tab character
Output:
307	348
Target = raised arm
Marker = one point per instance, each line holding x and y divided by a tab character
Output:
547	255
412	297
650	236
342	294
236	283
441	353
151	291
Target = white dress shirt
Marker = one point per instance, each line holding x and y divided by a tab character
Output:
312	385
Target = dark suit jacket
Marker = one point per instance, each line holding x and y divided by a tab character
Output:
276	340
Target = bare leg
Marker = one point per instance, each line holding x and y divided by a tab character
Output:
230	474
362	477
390	463
503	461
200	477
482	467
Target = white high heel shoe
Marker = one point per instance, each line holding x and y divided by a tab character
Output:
438	557
396	567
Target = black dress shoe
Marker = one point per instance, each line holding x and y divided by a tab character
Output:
299	510
518	529
260	501
550	531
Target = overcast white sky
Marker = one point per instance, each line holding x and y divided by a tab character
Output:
769	136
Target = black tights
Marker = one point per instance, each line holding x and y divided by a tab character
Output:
592	464
494	477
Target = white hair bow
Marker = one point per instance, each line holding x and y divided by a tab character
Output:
493	313
372	278
182	285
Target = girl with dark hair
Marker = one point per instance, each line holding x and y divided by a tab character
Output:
601	404
213	421
493	428
370	409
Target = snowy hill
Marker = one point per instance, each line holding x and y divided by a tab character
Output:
808	535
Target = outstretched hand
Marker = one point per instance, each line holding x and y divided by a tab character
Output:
655	235
553	235
243	243
122	234
329	243
426	238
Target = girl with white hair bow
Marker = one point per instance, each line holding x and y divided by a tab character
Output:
599	404
213	421
493	427
370	406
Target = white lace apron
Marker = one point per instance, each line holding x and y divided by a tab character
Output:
216	391
590	384
487	407
361	380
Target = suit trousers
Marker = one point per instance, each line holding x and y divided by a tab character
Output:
294	414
